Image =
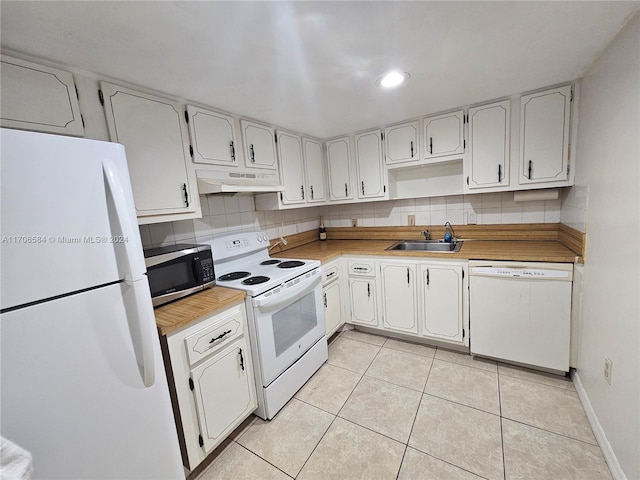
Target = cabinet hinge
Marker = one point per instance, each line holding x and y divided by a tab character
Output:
200	441
82	118
280	196
384	189
275	138
571	97
464	144
186	116
467	180
462	273
382	136
568	168
463	333
101	97
191	386
191	150
77	95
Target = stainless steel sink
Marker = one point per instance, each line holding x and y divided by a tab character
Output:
426	246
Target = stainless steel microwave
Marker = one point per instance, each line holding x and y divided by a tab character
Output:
178	270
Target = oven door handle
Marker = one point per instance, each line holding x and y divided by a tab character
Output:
291	293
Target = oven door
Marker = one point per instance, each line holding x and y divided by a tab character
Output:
289	320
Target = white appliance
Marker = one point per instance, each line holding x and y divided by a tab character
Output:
83	383
285	314
521	312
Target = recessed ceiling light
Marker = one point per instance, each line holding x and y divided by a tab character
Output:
392	79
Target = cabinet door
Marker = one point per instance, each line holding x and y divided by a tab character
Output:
489	145
363	301
259	145
154	134
314	171
224	392
332	306
369	164
544	134
290	154
339	161
399	306
444	135
213	137
35	97
442	312
401	143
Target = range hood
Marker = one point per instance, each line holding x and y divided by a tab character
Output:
237	183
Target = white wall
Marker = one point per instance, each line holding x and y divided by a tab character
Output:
608	155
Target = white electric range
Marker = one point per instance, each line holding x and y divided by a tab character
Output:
285	314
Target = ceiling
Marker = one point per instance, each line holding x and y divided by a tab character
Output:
312	66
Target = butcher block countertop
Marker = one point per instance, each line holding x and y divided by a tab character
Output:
507	250
182	312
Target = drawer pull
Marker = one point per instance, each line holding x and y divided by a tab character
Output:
220	336
330	274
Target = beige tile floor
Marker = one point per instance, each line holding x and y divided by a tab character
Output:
381	408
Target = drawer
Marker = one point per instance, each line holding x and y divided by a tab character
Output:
329	274
210	339
365	269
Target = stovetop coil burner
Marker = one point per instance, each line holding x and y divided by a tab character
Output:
290	264
255	280
273	261
233	276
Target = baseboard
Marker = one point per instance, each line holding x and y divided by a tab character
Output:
610	457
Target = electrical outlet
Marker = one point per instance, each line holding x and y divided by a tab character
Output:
354	222
472	218
412	220
608	367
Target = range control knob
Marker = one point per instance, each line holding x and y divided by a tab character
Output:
259	238
265	238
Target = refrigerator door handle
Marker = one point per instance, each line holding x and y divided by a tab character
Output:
127	220
141	319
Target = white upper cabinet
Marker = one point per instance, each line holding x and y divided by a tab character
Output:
213	137
339	162
371	181
314	171
291	167
544	136
488	159
444	135
154	134
401	143
259	145
40	98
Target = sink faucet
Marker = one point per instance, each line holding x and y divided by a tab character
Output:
427	234
449	229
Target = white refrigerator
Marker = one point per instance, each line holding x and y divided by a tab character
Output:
83	386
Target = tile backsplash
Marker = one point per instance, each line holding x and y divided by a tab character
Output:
223	214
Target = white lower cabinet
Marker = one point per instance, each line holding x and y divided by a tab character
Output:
399	299
332	296
211	380
442	295
421	298
362	292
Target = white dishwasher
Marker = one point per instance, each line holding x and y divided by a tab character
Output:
521	312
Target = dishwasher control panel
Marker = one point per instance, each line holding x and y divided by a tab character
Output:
520	272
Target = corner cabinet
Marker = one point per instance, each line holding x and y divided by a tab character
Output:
444	135
259	145
40	98
544	136
488	159
399	296
154	134
371	179
213	137
211	380
339	166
